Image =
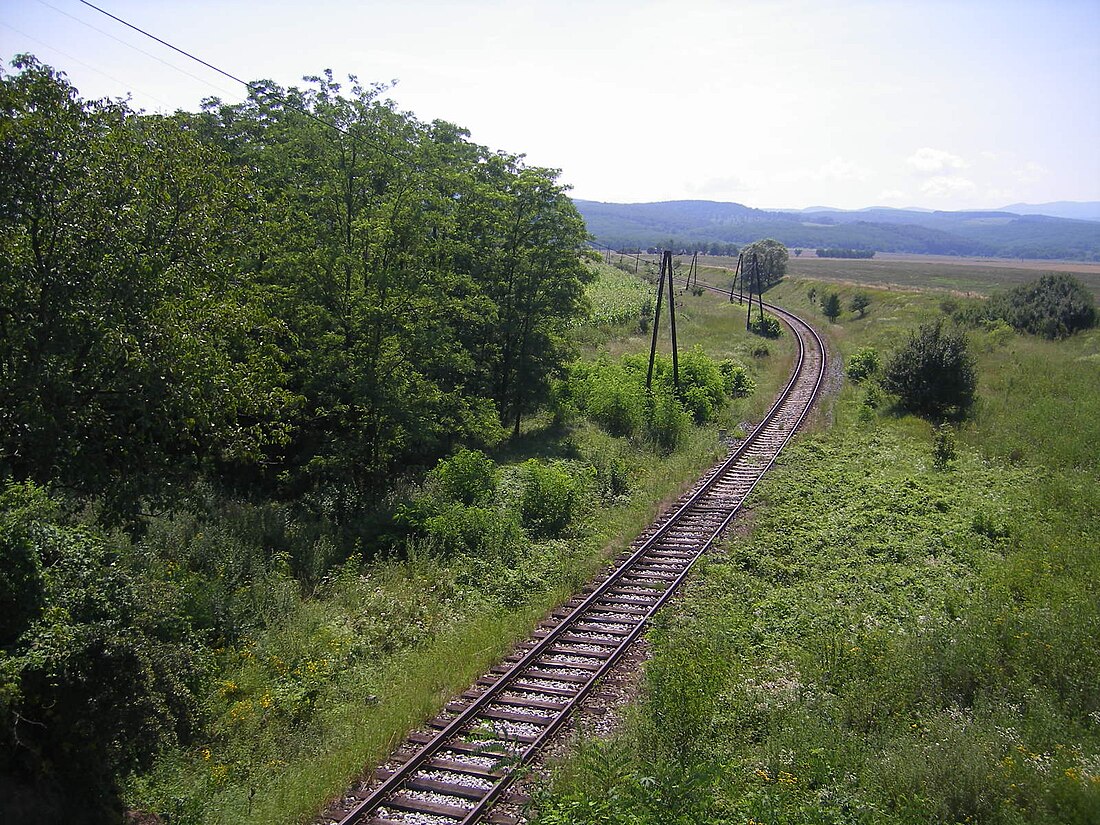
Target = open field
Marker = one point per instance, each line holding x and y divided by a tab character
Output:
971	276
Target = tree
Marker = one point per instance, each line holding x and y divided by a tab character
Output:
772	257
933	374
830	305
859	303
130	351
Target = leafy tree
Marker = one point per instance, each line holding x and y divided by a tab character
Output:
933	374
772	257
129	350
859	303
830	306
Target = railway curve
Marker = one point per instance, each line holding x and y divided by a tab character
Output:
455	773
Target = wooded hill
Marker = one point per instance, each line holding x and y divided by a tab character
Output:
998	234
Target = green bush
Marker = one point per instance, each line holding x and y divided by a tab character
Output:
863	363
735	379
933	374
551	498
468	477
768	326
702	387
667	422
477	531
615	401
1054	306
105	674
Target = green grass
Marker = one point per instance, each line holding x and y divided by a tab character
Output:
892	642
337	676
971	276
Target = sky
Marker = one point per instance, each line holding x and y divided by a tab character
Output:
967	104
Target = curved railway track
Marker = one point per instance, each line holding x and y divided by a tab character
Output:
454	774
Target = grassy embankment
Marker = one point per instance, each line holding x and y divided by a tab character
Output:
335	674
892	641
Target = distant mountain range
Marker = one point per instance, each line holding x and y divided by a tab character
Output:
1008	233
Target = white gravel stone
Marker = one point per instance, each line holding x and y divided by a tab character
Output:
452	778
409	818
438	798
539	712
487	762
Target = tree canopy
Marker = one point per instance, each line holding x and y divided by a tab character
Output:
305	290
772	257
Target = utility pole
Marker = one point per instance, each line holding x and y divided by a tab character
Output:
666	273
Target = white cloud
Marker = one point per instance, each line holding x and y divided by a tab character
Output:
839	169
1031	172
887	195
945	186
929	161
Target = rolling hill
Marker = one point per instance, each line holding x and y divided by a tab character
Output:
995	233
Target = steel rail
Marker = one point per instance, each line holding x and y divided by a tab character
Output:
445	738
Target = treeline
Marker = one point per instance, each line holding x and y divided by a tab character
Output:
841	252
302	295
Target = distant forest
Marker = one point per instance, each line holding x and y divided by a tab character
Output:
695	224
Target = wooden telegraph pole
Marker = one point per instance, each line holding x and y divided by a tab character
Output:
666	272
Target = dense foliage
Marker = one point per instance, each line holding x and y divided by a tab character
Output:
235	334
1054	306
770	257
254	296
933	373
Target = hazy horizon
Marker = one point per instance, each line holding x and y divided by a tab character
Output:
933	105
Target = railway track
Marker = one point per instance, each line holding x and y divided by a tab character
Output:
454	774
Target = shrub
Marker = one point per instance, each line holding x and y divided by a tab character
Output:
468	477
551	498
768	326
702	387
933	373
859	303
667	422
615	400
863	363
476	531
735	379
1054	306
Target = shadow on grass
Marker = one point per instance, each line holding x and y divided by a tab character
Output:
543	438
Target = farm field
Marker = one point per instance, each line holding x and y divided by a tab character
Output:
898	634
969	276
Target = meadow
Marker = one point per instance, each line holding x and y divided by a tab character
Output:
903	630
966	276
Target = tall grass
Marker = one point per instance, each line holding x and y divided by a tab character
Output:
905	636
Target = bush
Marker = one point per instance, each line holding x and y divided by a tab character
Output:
735	379
863	363
477	531
615	400
1053	306
768	326
933	373
667	422
468	477
551	498
702	387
